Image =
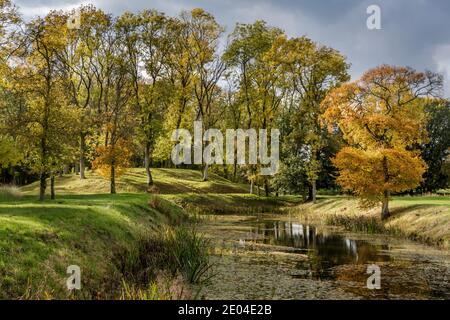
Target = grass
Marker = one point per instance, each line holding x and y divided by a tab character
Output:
167	181
120	242
215	203
189	252
162	288
38	241
426	219
135	245
8	192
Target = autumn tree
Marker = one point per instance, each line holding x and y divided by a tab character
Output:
46	121
381	117
9	18
147	46
117	114
311	70
80	67
9	21
192	73
10	151
208	68
259	79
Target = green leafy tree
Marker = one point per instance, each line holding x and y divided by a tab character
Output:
437	150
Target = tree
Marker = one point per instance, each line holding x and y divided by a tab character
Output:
46	118
311	71
381	116
9	19
117	113
9	153
208	67
436	150
147	47
259	79
112	161
78	59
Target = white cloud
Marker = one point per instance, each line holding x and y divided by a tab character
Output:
414	32
441	58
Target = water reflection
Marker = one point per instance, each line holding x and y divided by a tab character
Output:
324	250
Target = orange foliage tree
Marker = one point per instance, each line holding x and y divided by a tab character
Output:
112	161
381	117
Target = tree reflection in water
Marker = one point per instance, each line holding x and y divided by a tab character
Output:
324	250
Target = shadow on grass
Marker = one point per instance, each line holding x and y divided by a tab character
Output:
395	212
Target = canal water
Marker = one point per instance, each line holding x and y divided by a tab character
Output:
277	257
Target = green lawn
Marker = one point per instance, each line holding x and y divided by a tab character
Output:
38	241
168	181
88	227
425	200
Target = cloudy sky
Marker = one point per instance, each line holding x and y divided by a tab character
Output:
415	33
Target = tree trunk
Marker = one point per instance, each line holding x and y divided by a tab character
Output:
42	185
205	172
309	195
52	186
266	187
147	165
251	187
385	206
13	175
225	171
305	195
313	191
113	180
66	169
82	156
77	168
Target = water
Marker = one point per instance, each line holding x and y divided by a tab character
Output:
280	258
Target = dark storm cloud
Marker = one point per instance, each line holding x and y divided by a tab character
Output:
414	32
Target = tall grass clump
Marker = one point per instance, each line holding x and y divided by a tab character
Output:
190	251
369	225
9	192
140	264
163	287
161	265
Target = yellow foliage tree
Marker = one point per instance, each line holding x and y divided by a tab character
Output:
381	117
112	161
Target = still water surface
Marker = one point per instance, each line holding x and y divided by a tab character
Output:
266	257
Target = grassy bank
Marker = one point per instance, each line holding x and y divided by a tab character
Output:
241	204
135	245
167	181
99	233
426	219
131	245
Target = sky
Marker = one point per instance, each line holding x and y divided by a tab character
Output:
413	33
